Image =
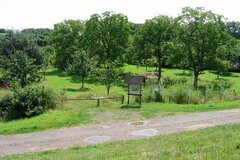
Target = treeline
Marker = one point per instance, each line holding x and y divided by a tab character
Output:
197	40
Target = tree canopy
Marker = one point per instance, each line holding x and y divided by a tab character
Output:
154	37
202	33
107	35
66	38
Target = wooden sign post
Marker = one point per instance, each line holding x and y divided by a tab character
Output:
135	86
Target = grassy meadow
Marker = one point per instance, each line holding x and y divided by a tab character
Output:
72	113
222	143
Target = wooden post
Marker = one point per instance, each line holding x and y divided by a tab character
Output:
140	95
128	93
235	94
122	99
189	100
98	102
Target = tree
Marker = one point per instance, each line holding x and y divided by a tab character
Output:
20	68
66	38
201	32
49	57
143	49
230	51
39	35
221	66
81	65
233	28
17	41
108	76
178	58
107	36
156	37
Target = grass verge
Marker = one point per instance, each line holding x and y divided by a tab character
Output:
82	113
217	143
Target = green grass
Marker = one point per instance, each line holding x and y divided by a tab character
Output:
77	113
51	119
86	112
150	110
71	85
217	143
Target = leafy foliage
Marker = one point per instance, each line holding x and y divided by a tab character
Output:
154	38
109	75
20	68
107	36
233	28
18	41
66	38
27	102
202	33
81	65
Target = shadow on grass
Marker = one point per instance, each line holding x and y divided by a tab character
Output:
190	74
130	106
77	90
77	79
54	72
224	74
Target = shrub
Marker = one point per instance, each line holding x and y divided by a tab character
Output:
27	102
179	94
153	92
221	84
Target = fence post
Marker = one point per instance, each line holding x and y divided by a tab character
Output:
98	102
122	99
235	94
189	100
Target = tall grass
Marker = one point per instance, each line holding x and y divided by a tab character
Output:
181	91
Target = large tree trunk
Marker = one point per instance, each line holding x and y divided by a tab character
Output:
108	91
195	84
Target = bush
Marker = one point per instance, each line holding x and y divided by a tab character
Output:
179	94
27	102
221	84
153	92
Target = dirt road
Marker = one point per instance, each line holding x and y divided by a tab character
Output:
94	134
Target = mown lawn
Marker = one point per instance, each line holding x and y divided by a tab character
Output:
86	112
217	143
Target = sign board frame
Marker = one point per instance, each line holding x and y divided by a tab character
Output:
135	86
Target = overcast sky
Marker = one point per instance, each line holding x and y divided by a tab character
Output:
19	14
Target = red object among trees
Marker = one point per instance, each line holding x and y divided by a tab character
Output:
5	83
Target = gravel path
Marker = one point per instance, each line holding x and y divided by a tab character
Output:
94	134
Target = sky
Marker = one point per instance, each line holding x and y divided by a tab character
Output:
20	14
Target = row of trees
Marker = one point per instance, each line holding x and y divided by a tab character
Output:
196	40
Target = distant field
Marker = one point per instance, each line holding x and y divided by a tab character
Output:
86	112
217	143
